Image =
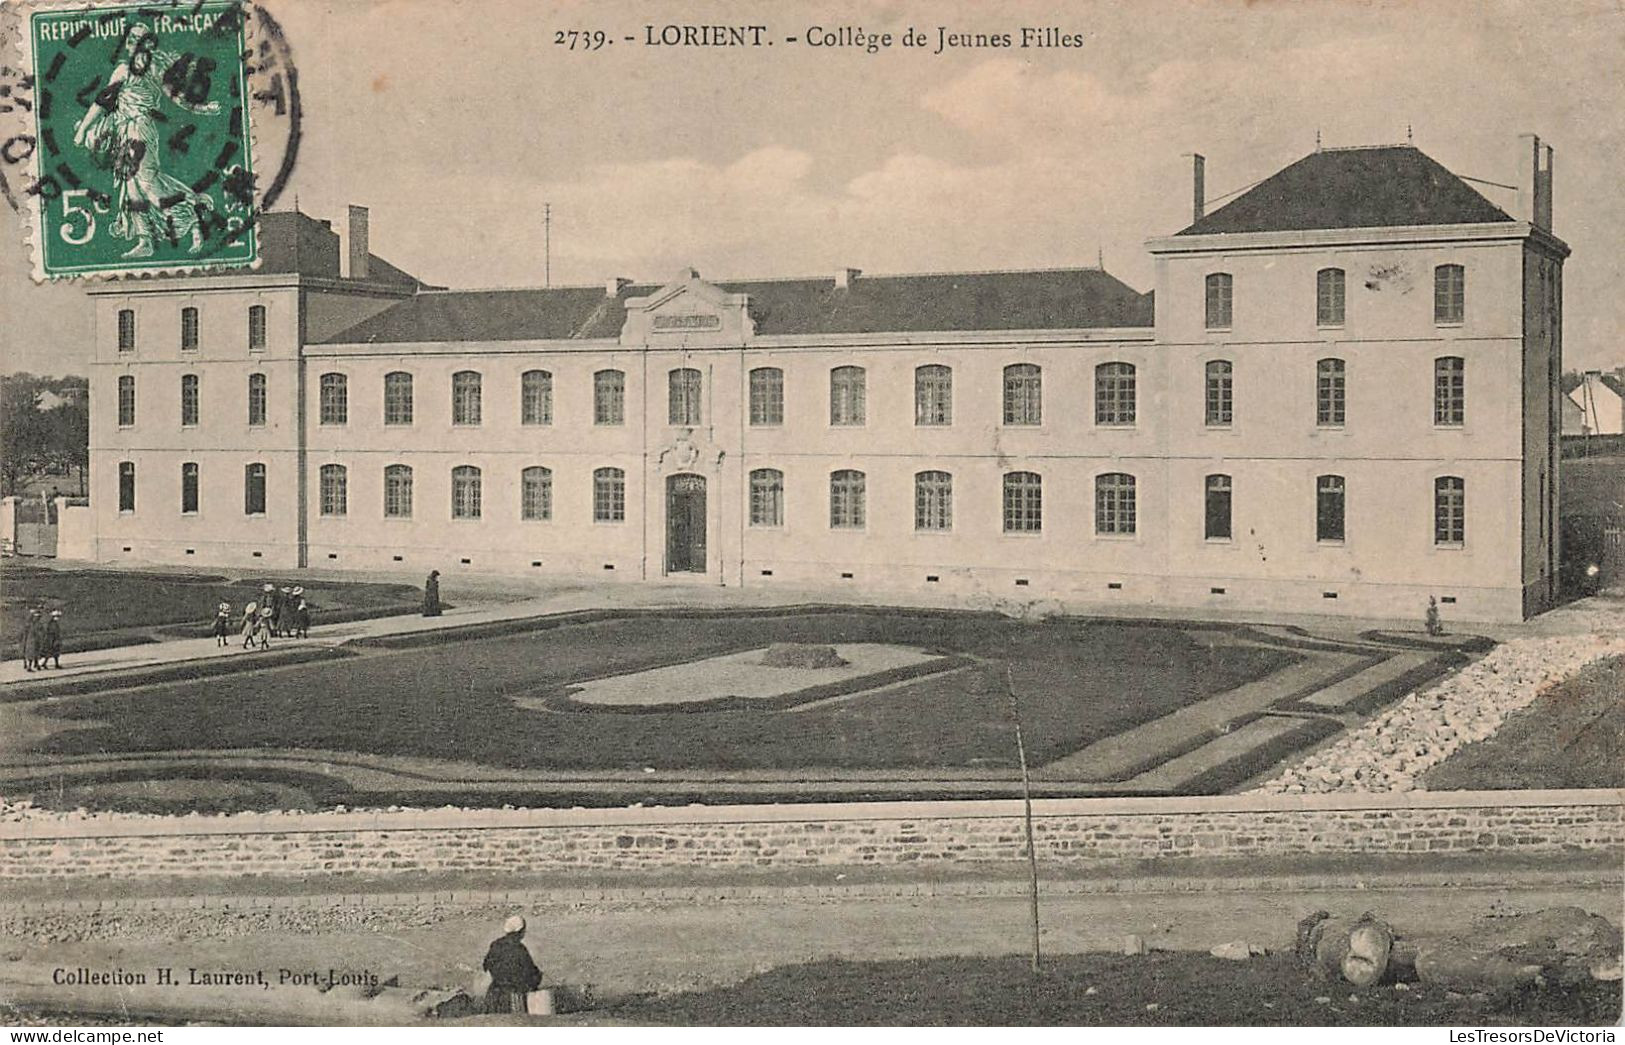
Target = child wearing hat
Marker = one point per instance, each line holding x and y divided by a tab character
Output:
262	628
222	623
299	622
250	619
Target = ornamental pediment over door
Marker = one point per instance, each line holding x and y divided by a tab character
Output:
687	312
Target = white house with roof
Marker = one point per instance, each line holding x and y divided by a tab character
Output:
1598	404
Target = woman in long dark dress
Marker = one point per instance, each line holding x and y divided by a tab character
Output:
431	594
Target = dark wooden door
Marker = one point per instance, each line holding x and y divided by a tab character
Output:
685	524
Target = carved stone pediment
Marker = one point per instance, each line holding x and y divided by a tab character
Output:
687	312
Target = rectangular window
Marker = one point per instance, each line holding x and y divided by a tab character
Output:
126	330
848	396
934	501
335	399
190	394
256	328
767	497
847	496
465	398
1449	294
1023	394
397	398
256	399
1220	290
536	493
1219	400
1329	287
126	486
126	400
767	396
335	490
933	396
1450	391
398	491
1023	502
1449	510
1329	508
254	489
189	331
1330	393
465	492
609	495
609	398
1217	527
1114	394
683	405
1116	510
189	484
536	398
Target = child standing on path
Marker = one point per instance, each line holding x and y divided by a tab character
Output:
222	623
250	618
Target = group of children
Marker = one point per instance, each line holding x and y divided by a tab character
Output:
279	611
42	641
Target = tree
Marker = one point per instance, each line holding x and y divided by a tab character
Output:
32	439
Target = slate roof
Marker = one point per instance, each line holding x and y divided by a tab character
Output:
1382	186
1050	299
294	242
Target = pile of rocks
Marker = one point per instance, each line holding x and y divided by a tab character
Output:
1390	752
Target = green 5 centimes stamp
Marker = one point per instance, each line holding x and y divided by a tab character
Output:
143	145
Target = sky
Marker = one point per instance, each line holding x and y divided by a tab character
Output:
455	121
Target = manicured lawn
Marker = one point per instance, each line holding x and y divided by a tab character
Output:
1077	680
1159	989
95	602
1573	735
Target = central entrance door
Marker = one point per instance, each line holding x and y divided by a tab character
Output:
685	524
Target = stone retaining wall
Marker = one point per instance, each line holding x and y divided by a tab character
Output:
756	837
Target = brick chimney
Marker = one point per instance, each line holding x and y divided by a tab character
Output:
1534	182
358	249
844	278
1198	186
614	285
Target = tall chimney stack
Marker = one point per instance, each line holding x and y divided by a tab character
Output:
358	250
1198	186
1535	160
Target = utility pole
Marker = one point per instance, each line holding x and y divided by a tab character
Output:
1027	808
547	244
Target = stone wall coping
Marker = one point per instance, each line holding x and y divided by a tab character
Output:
45	827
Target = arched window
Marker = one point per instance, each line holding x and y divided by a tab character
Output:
933	395
256	328
189	488
397	398
126	330
1219	398
190	395
767	396
847	494
189	330
1023	394
1330	506
254	489
1114	394
848	394
933	501
335	399
465	492
1449	294
1220	290
1115	508
1331	393
1329	298
465	397
1023	502
335	490
256	399
766	497
609	495
609	398
536	493
1449	510
1450	391
1217	498
536	397
126	400
683	397
126	486
398	491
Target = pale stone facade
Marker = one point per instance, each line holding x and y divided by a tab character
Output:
1018	435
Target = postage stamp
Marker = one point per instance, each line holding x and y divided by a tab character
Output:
140	145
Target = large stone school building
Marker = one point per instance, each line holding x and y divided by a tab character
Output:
1342	397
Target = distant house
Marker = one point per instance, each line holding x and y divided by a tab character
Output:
1573	417
1600	402
45	399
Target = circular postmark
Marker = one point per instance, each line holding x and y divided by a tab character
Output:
150	137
